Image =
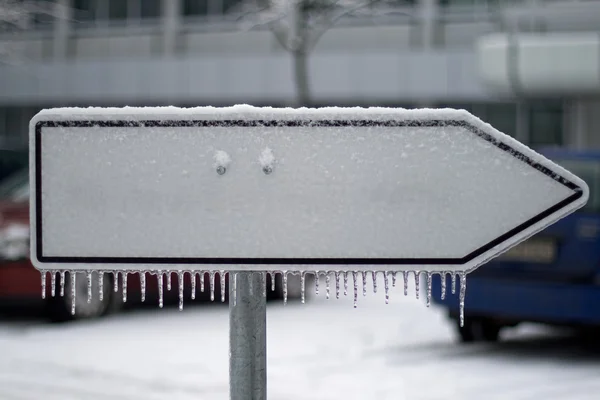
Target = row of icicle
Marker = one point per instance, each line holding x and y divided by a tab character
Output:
344	275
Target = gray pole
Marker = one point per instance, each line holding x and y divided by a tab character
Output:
247	337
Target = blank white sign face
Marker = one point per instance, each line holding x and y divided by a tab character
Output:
398	192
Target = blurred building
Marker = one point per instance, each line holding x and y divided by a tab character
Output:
531	67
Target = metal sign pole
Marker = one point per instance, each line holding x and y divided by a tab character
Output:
247	336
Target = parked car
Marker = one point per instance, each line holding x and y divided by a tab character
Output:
551	278
20	282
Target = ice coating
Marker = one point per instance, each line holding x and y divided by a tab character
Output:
180	283
448	144
89	287
462	275
44	275
115	281
332	157
53	283
143	286
160	278
443	282
101	285
193	281
62	283
124	285
302	287
212	285
73	278
222	278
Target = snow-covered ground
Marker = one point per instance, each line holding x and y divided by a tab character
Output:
324	350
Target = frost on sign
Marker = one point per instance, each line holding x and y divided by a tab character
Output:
340	190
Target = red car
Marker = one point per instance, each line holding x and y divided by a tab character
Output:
20	282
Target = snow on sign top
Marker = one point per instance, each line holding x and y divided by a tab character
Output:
284	189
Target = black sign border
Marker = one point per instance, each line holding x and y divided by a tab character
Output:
578	192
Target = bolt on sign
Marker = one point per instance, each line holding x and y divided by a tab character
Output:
352	194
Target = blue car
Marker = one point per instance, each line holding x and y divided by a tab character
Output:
551	278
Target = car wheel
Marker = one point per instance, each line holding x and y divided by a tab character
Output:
478	330
60	306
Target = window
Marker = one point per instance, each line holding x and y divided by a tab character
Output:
195	7
150	8
546	123
117	9
84	10
502	117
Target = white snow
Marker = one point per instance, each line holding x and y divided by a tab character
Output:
222	159
324	350
266	158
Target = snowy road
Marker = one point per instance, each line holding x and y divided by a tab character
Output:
324	350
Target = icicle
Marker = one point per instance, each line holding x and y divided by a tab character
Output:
285	287
463	292
417	284
364	282
235	289
265	285
222	276
211	277
337	284
89	286
161	279
386	287
317	283
73	291
115	281
62	283
453	283
327	284
345	283
443	277
394	279
193	279
251	287
429	284
302	286
355	284
202	281
101	285
43	284
405	274
124	285
143	285
53	283
273	277
374	278
180	282
169	280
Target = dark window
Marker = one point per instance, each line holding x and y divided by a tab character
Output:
117	9
195	7
502	117
546	123
150	8
84	10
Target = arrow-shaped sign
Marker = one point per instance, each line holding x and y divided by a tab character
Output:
245	188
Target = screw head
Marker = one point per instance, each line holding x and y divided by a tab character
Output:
221	170
267	169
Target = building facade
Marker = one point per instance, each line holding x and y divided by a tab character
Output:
531	68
